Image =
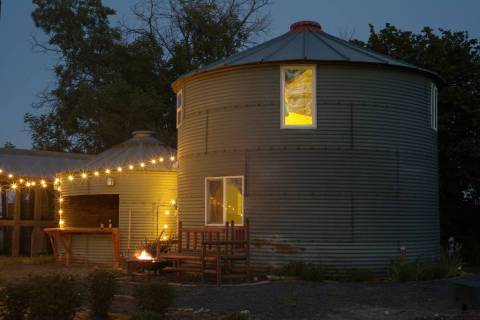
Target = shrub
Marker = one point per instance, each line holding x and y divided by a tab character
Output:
354	275
304	271
445	267
237	316
54	297
154	296
102	285
148	315
14	298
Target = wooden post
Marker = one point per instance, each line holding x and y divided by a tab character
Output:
116	247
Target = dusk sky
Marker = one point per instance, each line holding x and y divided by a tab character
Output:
25	73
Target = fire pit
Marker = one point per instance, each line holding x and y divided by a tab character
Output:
144	266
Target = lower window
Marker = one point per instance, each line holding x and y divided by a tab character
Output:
224	200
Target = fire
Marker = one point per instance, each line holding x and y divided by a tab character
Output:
144	255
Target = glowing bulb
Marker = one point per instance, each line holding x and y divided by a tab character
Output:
107	171
84	175
142	165
10	176
42	181
119	169
165	226
96	173
1	170
167	212
173	202
61	199
172	158
44	185
153	161
130	167
59	188
21	180
28	184
161	159
14	186
61	223
60	211
164	238
70	178
57	181
33	183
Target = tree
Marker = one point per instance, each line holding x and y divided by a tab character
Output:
455	57
112	81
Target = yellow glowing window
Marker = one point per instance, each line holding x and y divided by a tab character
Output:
224	200
298	97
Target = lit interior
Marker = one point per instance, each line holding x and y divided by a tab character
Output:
298	97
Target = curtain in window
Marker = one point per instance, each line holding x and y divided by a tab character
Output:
298	96
214	202
234	200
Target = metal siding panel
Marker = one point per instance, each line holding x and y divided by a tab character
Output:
347	194
142	193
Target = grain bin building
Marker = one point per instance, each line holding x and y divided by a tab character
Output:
328	148
129	187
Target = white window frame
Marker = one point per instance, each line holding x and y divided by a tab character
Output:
282	95
224	186
179	109
434	107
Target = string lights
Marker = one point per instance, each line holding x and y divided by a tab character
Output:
15	183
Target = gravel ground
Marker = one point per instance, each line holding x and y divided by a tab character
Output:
281	299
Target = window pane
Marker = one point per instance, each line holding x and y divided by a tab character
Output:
234	200
10	203
298	97
214	202
27	204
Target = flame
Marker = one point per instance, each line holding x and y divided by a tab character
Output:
144	255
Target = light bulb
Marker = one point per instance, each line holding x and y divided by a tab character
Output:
96	173
14	186
153	161
165	226
167	212
33	183
107	171
70	178
119	169
10	176
60	211
42	181
130	167
142	165
84	175
172	158
161	159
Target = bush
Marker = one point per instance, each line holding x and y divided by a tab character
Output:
304	271
54	297
148	315
14	298
102	285
237	316
354	275
447	266
154	296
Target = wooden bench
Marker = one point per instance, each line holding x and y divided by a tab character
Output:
210	250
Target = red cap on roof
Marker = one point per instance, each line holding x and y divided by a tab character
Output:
306	26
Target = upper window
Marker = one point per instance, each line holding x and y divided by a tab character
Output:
434	107
224	200
179	108
298	97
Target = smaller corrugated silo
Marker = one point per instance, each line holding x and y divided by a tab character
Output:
132	186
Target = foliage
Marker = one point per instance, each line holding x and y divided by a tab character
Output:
447	266
14	297
154	296
237	316
54	297
304	271
455	57
110	77
148	315
353	275
102	285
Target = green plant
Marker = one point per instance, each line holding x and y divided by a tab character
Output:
148	315
14	298
54	297
102	285
304	271
154	296
237	316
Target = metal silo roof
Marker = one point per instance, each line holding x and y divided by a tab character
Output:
34	163
141	147
306	42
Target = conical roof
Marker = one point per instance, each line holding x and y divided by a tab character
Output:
306	42
142	147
